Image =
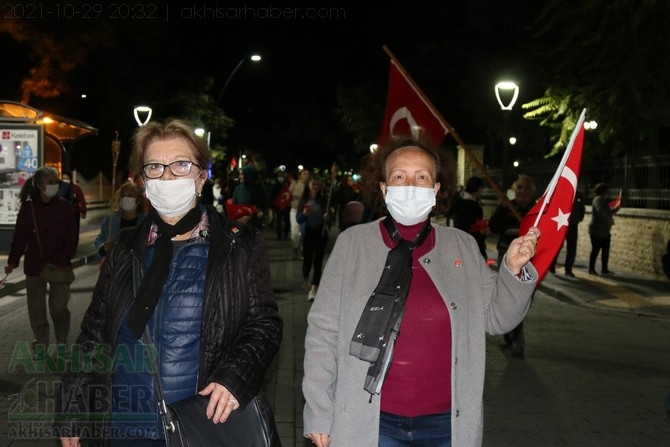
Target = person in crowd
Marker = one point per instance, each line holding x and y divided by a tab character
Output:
74	195
572	234
297	188
45	233
506	225
406	366
315	215
602	219
348	213
251	191
468	213
281	205
219	191
197	282
127	211
207	195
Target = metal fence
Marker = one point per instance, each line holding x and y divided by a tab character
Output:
644	181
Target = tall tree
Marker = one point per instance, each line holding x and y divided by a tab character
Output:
610	57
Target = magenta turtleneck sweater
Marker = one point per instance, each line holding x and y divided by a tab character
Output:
419	379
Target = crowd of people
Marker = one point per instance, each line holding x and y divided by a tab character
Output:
394	281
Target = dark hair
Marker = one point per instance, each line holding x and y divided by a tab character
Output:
374	170
320	197
473	184
600	189
171	128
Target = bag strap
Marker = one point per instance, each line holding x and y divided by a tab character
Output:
37	233
168	422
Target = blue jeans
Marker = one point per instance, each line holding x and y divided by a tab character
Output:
433	430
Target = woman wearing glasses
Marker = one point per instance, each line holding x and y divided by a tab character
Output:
201	286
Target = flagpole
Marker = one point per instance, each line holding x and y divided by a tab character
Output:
503	197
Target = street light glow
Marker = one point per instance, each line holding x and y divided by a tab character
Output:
142	109
507	86
255	57
590	125
512	141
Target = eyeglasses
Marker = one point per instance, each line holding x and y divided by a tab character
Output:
179	168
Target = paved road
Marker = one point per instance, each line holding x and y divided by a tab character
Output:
591	377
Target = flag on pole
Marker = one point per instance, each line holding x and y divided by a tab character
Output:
616	203
407	112
551	213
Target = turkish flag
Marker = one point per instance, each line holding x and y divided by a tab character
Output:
407	112
552	212
616	203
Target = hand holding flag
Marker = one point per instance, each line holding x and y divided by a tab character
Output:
522	249
616	203
552	212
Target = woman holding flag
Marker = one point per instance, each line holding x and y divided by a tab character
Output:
395	344
602	219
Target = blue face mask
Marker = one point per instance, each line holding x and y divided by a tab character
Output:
410	205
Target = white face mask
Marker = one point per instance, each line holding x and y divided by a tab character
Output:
409	205
171	198
50	190
128	203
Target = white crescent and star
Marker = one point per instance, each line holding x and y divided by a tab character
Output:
404	113
562	219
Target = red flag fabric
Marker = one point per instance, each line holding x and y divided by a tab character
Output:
616	203
555	205
407	113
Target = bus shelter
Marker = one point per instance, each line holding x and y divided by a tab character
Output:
30	138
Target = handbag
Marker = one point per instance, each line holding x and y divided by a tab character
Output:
57	274
51	273
186	424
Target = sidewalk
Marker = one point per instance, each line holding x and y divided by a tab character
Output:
623	292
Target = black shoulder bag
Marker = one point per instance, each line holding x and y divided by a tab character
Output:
185	422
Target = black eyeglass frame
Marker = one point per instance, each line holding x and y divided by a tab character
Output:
169	166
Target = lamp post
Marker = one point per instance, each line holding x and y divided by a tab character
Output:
142	109
253	58
506	87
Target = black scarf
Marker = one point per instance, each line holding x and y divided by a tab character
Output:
153	281
380	321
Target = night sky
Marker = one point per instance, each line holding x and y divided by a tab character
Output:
305	61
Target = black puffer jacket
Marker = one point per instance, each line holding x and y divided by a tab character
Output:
241	326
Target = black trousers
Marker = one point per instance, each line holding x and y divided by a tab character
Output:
313	250
598	244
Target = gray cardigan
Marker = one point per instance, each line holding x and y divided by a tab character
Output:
479	301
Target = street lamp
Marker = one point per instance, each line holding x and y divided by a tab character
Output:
506	87
590	125
253	58
142	109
